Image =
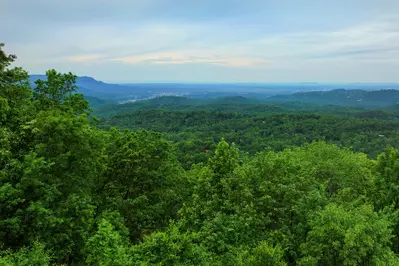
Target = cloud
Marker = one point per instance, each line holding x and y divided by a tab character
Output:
252	40
366	39
86	58
191	57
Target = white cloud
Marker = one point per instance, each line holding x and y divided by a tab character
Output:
192	57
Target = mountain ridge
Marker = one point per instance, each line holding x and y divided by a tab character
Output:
366	95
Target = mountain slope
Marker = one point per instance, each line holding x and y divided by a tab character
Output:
342	97
91	87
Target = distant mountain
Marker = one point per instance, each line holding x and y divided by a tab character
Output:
355	94
168	100
91	87
342	97
235	100
101	87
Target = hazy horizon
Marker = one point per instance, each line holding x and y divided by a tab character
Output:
231	82
176	41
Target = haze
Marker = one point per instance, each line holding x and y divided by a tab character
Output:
206	41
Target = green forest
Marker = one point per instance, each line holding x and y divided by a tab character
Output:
165	182
254	128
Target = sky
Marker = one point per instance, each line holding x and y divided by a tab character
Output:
206	40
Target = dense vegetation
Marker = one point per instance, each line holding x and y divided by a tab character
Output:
75	194
197	127
342	97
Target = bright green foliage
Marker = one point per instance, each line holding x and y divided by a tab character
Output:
288	187
273	197
15	93
170	248
254	128
106	247
36	255
224	161
356	236
50	180
387	187
143	181
54	91
49	159
387	183
263	254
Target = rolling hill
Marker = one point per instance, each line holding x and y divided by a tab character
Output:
342	97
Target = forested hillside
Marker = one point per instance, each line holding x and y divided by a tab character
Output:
76	191
361	98
197	126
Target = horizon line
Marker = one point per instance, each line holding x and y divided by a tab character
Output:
239	82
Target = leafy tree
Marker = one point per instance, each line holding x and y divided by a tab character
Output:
263	254
387	182
48	163
341	236
224	161
387	187
170	248
106	247
143	181
15	93
59	91
36	255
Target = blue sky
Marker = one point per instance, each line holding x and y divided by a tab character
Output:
206	40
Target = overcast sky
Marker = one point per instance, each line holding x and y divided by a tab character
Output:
206	40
